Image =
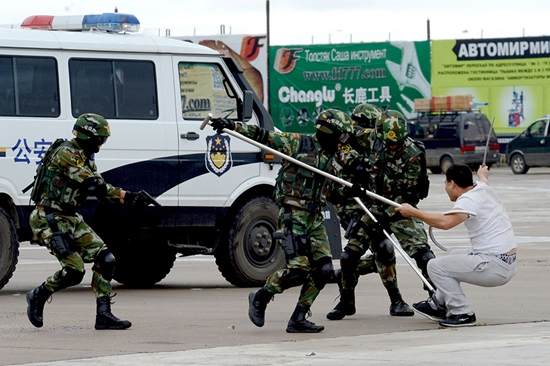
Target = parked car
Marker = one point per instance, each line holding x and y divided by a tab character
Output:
455	137
531	148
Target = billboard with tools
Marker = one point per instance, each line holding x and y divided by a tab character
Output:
305	79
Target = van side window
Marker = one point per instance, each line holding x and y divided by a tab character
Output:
204	90
29	86
124	89
538	128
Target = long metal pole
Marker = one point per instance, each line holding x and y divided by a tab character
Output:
396	245
297	162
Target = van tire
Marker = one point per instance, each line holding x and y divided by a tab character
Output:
445	163
518	165
141	264
9	247
240	261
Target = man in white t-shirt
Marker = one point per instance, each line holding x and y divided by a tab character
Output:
489	262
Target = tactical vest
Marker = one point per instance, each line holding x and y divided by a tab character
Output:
300	187
385	171
52	188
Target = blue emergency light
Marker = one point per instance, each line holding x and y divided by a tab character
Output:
108	22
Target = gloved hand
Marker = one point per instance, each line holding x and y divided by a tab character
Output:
135	199
356	190
219	124
384	222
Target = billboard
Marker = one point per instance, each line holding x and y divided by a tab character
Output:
250	51
305	79
509	78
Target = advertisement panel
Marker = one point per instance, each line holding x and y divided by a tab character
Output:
250	51
510	75
305	79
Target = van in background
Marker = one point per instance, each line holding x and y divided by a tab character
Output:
454	137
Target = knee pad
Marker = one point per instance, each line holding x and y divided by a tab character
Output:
422	257
349	260
70	277
385	252
106	262
324	272
294	277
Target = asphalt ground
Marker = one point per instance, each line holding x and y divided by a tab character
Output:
194	317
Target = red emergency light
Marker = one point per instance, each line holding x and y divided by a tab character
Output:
38	22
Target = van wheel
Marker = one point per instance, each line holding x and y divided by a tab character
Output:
446	163
9	248
143	263
247	254
518	165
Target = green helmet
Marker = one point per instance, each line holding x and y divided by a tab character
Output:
365	115
391	127
91	125
333	121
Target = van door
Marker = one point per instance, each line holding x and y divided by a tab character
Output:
212	166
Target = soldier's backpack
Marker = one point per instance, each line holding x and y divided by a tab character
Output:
39	181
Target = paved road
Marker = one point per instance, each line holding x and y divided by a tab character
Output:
195	317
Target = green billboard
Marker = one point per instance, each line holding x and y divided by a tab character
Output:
305	79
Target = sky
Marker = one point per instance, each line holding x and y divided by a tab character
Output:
313	21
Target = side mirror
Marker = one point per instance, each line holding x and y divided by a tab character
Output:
245	106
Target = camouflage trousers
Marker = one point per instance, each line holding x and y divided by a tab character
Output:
87	246
410	234
312	226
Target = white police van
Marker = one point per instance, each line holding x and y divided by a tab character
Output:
215	191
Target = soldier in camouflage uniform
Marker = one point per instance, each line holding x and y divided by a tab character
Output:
301	195
394	169
67	174
350	213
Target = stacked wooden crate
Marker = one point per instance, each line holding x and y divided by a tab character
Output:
444	103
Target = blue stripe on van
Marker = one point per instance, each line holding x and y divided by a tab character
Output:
160	175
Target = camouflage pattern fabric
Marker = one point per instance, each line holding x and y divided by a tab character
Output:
297	186
350	158
89	245
70	167
410	234
312	225
394	174
306	216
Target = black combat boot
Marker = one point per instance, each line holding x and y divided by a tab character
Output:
257	302
346	306
299	324
35	305
398	307
104	319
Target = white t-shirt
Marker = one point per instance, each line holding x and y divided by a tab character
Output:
490	231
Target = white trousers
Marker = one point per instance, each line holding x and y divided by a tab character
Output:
461	265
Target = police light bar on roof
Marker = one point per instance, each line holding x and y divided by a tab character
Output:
109	22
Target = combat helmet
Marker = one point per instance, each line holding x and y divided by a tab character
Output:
365	115
90	125
333	121
391	127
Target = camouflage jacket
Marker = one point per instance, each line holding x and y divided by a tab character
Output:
394	174
69	167
297	186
